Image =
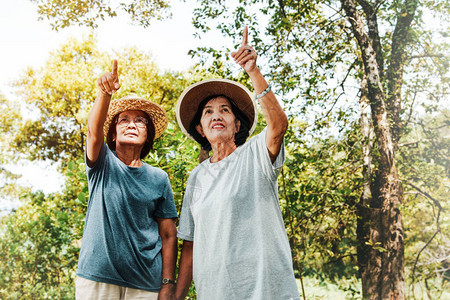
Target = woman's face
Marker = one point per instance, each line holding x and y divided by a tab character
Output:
131	128
218	123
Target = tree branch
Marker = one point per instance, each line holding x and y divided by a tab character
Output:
375	90
374	35
396	66
411	107
438	228
420	252
415	143
425	194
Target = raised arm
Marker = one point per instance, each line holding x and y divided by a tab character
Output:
276	119
108	83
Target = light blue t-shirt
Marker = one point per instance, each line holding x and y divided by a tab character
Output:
231	212
121	244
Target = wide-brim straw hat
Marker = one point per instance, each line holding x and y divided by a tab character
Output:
156	113
191	97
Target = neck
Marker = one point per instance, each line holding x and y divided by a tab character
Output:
222	150
129	156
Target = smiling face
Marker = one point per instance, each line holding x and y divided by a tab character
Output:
131	134
218	123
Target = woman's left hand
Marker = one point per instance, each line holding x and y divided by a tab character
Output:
245	56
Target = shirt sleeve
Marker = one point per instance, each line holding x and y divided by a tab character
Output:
100	159
166	207
186	226
259	146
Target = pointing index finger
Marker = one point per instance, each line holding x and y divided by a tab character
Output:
114	67
244	36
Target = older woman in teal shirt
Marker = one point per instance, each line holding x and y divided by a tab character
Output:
128	249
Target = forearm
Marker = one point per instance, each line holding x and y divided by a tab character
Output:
96	120
97	115
273	113
276	119
168	233
185	271
108	84
169	257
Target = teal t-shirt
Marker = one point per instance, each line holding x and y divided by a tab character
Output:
121	244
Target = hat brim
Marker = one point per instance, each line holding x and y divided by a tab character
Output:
191	97
156	113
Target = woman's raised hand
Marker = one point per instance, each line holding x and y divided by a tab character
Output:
245	56
109	82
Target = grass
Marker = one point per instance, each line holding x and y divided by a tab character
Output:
318	289
351	289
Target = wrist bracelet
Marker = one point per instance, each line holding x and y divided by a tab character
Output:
263	93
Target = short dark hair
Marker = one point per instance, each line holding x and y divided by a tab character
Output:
148	145
239	138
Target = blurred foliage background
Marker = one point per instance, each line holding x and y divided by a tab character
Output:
308	52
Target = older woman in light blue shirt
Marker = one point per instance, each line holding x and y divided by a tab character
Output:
235	244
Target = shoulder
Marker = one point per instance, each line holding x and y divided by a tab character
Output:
102	159
259	136
202	166
155	178
256	140
155	172
198	170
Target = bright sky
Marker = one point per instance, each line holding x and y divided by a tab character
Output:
25	41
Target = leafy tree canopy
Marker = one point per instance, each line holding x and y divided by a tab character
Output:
308	50
90	12
60	94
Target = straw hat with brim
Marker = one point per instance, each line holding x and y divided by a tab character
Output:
191	97
156	113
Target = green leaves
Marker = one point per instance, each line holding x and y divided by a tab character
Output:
90	12
61	94
309	54
318	191
37	252
376	246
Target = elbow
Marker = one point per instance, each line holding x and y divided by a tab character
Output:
169	233
282	125
285	123
94	134
188	245
278	126
169	237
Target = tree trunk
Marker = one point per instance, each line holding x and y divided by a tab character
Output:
380	229
366	142
369	268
